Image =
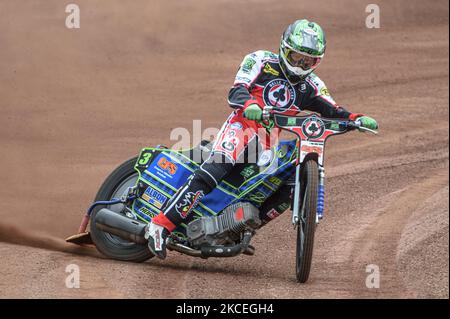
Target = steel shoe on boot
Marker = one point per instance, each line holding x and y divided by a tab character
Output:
156	236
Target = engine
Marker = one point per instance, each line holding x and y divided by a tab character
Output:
224	228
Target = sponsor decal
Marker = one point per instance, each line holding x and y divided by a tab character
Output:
283	206
270	55
291	121
303	87
313	127
243	79
265	158
236	125
144	210
272	214
258	197
270	70
248	171
189	201
275	180
248	65
154	197
324	91
167	166
279	93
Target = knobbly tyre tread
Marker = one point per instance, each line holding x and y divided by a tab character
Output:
134	253
310	175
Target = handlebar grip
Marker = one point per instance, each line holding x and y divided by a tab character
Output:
358	125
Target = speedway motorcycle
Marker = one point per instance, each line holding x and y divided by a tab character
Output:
225	220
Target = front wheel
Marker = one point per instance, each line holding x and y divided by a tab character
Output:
307	223
110	245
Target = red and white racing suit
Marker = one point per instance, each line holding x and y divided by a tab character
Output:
260	80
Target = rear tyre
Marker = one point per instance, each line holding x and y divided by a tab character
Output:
110	245
307	223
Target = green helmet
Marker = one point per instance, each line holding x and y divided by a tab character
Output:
301	49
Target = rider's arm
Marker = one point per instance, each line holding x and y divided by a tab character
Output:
250	68
320	101
240	97
331	110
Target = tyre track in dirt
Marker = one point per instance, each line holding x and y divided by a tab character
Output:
378	243
386	162
428	138
422	251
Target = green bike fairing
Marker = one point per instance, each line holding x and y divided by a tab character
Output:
162	171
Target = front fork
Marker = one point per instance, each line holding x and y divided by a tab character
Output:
296	209
321	194
296	206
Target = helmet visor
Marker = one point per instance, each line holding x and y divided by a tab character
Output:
302	60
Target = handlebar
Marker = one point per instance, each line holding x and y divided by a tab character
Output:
270	111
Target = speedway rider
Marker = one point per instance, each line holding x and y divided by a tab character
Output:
285	80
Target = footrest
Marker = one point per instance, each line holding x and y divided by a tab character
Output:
80	239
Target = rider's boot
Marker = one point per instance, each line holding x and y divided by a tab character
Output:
157	237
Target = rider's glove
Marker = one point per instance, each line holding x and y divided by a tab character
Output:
368	122
253	112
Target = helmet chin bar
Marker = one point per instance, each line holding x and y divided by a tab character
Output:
296	71
292	78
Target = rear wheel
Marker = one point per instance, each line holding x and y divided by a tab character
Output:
110	245
307	223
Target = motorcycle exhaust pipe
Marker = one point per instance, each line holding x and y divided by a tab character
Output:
133	230
121	226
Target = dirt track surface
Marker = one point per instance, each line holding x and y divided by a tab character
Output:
76	103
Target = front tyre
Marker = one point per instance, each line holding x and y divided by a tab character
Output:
307	223
110	245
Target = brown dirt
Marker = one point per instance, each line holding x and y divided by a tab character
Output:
77	103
